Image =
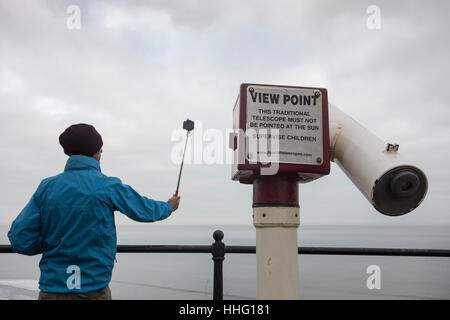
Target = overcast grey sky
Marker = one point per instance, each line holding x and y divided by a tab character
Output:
137	69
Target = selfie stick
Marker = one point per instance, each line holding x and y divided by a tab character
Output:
189	126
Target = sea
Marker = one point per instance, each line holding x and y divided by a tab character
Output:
180	276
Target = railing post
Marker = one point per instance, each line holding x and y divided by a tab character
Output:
218	253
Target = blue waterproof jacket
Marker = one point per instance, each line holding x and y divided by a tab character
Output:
70	220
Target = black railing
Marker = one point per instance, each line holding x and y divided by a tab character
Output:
218	250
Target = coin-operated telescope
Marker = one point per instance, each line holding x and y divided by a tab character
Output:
390	182
285	135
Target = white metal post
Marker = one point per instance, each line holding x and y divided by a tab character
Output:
277	252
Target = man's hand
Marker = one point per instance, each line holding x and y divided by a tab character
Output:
175	202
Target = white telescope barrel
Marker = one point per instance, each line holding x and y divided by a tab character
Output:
393	185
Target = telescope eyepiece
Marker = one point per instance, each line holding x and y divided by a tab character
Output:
405	183
399	191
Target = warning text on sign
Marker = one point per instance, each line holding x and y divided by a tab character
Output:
295	113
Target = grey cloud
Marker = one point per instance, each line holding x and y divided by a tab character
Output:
164	61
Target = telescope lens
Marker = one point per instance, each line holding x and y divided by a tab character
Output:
405	183
399	190
405	186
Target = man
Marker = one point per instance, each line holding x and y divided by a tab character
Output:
70	220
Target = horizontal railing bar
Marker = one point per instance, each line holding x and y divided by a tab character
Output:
353	251
4	248
240	249
374	252
252	250
163	248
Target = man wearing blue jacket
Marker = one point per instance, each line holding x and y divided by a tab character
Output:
70	220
